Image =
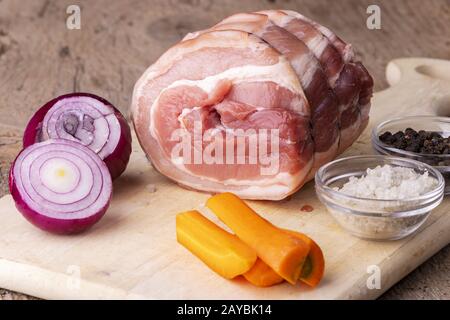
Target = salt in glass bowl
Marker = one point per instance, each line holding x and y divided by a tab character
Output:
375	219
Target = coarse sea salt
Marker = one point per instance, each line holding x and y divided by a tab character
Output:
389	183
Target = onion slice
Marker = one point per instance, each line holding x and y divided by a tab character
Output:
60	186
87	119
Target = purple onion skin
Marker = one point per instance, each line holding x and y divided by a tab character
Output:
116	162
33	128
52	225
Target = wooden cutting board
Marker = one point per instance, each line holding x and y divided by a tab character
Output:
132	252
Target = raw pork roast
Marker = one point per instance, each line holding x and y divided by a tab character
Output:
251	80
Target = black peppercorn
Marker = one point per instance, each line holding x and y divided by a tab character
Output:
425	142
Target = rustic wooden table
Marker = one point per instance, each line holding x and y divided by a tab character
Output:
41	58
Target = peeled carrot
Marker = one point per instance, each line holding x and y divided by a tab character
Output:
284	253
262	275
312	272
314	266
220	250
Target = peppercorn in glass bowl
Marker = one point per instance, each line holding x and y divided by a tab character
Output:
385	217
422	138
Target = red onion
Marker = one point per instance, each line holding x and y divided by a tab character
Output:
60	186
87	119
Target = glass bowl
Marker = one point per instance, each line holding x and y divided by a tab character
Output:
375	219
427	123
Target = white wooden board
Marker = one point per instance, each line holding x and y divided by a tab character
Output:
132	252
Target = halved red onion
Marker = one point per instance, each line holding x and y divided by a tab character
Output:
60	186
87	119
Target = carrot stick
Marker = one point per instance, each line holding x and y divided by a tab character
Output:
312	272
284	253
220	250
314	266
262	275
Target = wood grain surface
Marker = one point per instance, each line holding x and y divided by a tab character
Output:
40	58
